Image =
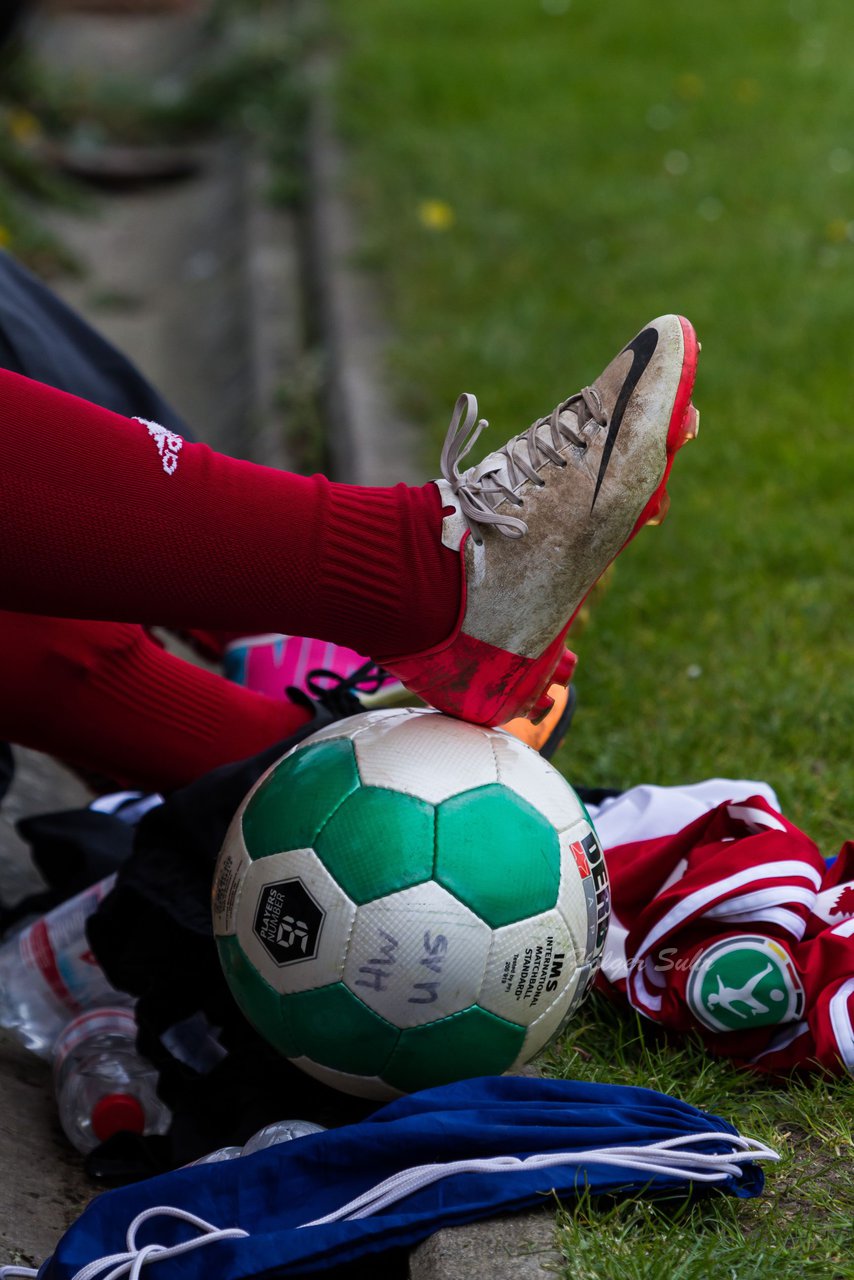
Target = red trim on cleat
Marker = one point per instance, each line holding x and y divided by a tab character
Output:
682	425
477	682
541	708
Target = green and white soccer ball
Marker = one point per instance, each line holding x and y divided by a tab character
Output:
404	900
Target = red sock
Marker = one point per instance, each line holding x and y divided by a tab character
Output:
110	517
106	698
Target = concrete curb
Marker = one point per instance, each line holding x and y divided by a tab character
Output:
517	1246
193	281
369	444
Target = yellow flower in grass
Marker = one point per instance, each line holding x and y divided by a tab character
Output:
836	230
747	91
689	85
23	125
436	215
5	237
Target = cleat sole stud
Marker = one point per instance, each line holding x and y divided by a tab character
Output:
657	517
564	669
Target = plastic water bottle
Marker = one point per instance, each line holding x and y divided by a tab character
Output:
102	1083
270	1136
218	1156
282	1131
48	973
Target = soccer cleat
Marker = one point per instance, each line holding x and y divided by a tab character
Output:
547	735
538	521
272	664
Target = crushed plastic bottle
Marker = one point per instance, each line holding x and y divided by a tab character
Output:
270	1136
218	1156
282	1131
102	1083
48	973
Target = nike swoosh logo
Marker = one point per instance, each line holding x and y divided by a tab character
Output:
642	348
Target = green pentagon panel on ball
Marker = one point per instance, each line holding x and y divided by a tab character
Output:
262	1005
470	1043
378	841
497	854
298	795
335	1029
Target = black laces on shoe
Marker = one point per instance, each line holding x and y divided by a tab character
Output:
340	694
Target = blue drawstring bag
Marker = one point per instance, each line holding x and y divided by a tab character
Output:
438	1158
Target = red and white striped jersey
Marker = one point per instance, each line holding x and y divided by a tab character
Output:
727	920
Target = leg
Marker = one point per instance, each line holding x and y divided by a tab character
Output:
107	699
103	517
473	598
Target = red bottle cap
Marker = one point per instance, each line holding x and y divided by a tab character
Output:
116	1112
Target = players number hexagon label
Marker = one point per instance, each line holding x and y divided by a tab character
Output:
288	922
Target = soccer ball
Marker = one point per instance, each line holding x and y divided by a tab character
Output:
404	900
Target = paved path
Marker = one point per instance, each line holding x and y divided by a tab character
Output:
174	279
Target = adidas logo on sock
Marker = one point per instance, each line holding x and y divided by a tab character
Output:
168	444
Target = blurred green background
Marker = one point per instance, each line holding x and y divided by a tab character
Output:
538	178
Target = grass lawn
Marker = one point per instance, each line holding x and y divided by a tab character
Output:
802	1226
536	180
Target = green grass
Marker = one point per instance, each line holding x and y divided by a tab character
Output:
535	181
803	1224
550	140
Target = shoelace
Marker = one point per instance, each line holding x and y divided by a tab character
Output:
365	679
130	1263
335	693
340	694
667	1157
478	497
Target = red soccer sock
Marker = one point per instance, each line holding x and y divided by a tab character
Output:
108	517
109	700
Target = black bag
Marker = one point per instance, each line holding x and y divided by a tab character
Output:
153	936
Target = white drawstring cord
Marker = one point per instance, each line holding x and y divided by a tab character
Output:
130	1264
657	1157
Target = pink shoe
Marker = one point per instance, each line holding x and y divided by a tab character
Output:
270	664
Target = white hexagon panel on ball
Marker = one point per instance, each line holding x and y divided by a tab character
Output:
231	868
535	780
359	1086
417	955
530	964
584	898
551	1021
425	754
